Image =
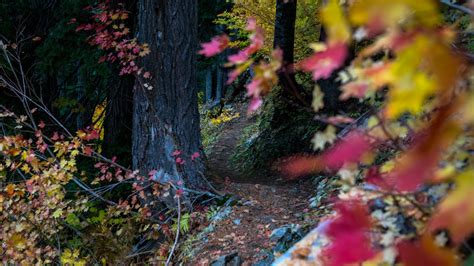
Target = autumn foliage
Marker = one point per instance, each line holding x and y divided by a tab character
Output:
424	123
404	169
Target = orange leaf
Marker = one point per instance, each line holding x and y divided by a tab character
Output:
425	252
10	189
456	212
419	164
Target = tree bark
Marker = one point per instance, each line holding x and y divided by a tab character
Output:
166	118
208	85
284	39
219	84
118	119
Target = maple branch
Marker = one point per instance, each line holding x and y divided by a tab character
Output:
458	7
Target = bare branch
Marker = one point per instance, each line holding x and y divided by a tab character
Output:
458	7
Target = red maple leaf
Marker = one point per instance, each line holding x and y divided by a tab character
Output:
323	64
349	235
348	150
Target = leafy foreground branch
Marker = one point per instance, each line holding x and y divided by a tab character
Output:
413	150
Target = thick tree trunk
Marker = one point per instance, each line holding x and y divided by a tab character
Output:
166	118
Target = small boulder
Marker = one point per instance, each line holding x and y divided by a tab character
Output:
286	236
232	259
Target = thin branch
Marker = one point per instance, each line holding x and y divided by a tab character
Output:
177	233
458	7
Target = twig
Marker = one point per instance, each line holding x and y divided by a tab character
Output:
458	7
177	233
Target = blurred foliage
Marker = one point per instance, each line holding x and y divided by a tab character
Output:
306	27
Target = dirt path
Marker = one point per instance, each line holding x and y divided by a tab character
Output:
261	209
219	163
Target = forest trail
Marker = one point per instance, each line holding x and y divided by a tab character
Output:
219	163
260	208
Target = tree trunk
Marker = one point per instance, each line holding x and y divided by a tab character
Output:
284	39
119	109
219	83
166	118
280	120
208	84
118	119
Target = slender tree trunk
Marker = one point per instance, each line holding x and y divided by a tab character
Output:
166	118
118	119
284	39
208	85
119	109
280	119
219	83
330	88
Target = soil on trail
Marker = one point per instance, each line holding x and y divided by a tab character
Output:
264	205
220	166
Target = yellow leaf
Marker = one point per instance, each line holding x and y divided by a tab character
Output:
410	94
58	213
335	23
410	84
320	139
318	96
382	13
17	241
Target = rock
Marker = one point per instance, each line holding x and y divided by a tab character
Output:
266	219
314	241
286	236
404	224
232	259
248	203
267	258
233	200
222	214
278	233
377	204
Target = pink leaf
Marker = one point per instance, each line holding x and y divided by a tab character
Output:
323	64
255	103
215	46
195	155
336	120
348	150
233	75
354	89
41	124
351	149
253	88
239	57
